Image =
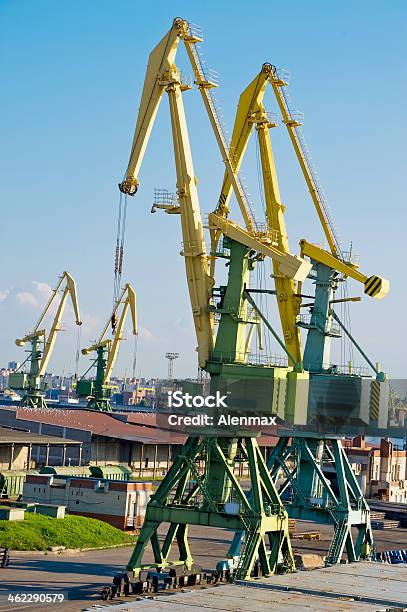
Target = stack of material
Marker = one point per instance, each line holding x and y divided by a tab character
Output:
379	522
377	516
385	524
392	511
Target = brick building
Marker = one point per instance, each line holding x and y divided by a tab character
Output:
380	468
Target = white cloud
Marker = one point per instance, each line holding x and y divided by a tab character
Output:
42	289
4	295
36	298
26	298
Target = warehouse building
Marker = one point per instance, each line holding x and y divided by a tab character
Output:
106	438
17	450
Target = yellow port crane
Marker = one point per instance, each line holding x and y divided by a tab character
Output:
251	113
201	482
163	75
99	391
42	345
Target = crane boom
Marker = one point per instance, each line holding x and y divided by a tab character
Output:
251	112
160	61
113	344
162	75
204	85
70	289
49	341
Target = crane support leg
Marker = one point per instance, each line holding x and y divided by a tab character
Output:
323	489
204	474
317	354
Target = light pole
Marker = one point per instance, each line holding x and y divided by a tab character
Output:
171	358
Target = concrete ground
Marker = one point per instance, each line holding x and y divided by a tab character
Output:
359	587
81	575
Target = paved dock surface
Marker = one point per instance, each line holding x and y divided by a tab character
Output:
82	575
358	586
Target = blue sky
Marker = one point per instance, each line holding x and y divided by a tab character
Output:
72	75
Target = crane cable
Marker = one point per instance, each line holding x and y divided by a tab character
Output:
78	349
135	357
119	253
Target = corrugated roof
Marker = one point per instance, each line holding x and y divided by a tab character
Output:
113	426
142	418
10	436
99	423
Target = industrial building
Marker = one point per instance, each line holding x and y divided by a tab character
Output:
19	449
106	438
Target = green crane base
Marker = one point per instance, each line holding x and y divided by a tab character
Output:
201	488
33	400
99	403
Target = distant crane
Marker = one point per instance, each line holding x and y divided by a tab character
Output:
98	391
171	358
31	384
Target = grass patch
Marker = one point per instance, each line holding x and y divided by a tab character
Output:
39	532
